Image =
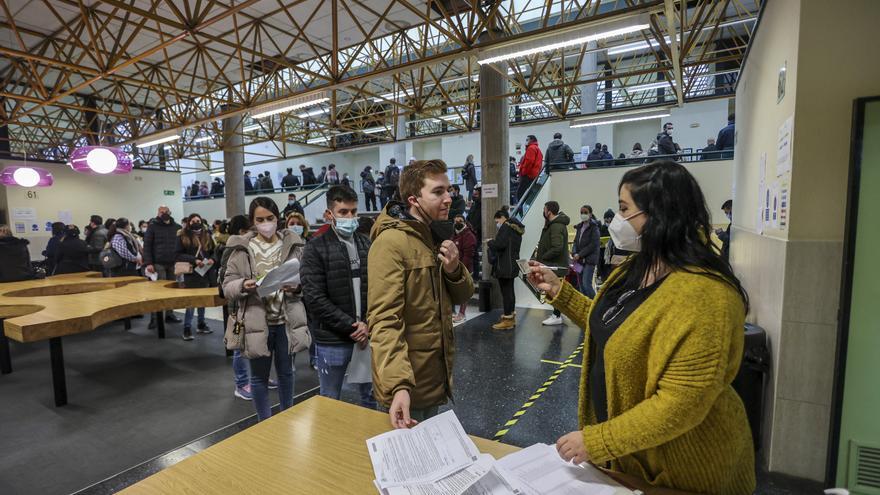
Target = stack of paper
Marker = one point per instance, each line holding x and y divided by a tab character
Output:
438	458
541	470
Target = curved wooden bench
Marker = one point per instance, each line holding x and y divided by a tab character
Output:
55	307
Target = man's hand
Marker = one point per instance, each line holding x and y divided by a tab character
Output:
361	332
575	257
249	285
571	447
399	411
448	256
150	269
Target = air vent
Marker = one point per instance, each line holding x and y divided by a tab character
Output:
864	469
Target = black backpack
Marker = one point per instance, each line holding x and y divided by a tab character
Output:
392	175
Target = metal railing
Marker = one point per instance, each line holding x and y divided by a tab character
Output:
254	192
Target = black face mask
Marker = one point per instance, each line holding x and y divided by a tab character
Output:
441	230
195	227
459	227
165	217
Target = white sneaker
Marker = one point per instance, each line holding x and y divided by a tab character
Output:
552	320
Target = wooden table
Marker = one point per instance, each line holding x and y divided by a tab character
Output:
58	306
316	447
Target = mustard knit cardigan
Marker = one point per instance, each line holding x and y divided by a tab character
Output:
673	418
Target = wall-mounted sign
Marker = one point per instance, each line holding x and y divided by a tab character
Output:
169	192
490	190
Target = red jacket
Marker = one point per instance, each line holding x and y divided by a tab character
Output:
466	242
530	165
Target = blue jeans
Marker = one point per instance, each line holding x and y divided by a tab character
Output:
240	369
188	317
586	281
277	343
332	361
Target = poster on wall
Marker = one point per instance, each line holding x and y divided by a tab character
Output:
65	217
783	147
774	205
762	172
783	205
490	190
19	227
24	214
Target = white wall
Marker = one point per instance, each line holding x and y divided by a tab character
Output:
626	134
135	196
696	122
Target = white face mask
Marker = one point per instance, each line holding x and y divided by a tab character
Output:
669	131
585	217
623	234
267	229
297	229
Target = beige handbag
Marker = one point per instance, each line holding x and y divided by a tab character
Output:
185	267
233	338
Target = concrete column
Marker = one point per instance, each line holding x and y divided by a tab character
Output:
588	96
399	150
494	153
233	167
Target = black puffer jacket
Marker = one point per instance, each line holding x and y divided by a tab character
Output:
326	280
504	249
72	256
16	258
558	152
586	245
160	243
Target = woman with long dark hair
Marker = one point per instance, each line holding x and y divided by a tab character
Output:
122	241
275	324
664	343
72	254
195	246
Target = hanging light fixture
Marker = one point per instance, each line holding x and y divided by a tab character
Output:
25	176
100	160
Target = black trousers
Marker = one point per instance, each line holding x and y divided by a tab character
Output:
524	183
370	200
508	295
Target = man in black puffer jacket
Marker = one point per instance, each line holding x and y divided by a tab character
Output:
160	252
334	280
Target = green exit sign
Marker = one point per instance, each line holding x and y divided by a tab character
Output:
169	192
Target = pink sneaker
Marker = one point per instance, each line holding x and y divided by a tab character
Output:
244	392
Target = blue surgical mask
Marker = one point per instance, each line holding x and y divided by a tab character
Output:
346	226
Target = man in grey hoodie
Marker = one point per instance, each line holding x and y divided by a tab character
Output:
559	155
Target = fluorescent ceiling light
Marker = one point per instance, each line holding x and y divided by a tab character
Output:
532	104
642	114
203	139
394	95
318	140
217	174
155	141
564	43
313	113
374	130
287	105
252	127
450	117
642	45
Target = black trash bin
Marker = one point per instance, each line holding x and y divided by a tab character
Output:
484	289
749	382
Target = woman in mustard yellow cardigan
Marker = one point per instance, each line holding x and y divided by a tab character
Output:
664	342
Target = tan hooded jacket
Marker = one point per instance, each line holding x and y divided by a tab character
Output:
239	267
410	311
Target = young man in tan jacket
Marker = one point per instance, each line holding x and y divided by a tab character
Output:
415	277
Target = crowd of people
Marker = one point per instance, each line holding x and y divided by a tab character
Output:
376	302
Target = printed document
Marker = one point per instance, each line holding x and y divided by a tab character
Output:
286	274
426	453
540	468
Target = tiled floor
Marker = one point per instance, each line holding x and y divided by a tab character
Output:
497	374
